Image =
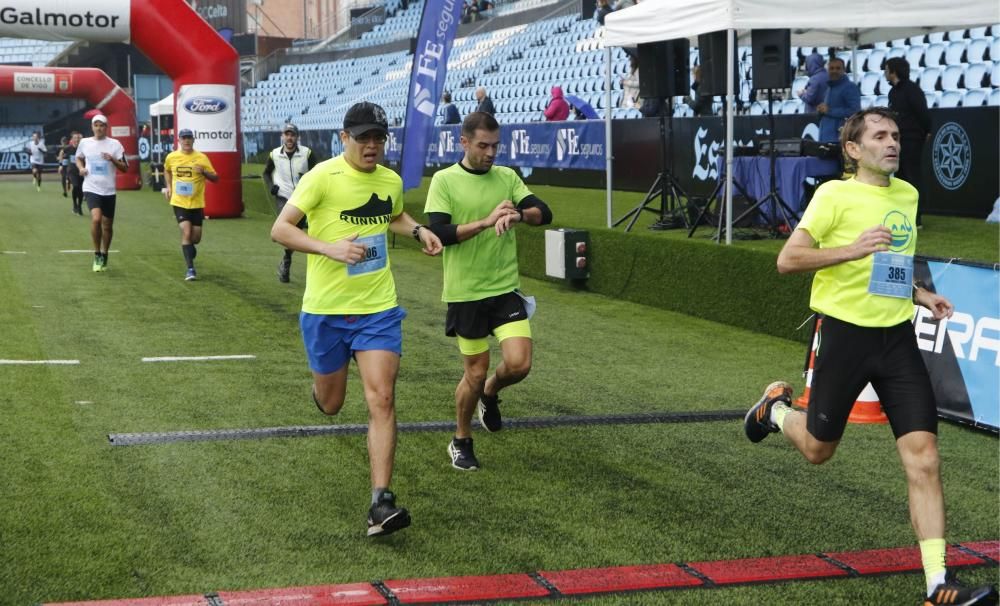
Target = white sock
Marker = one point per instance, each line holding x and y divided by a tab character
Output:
778	413
934	581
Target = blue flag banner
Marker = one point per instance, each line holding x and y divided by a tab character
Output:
962	353
430	66
574	144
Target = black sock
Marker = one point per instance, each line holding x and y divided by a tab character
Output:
194	253
377	494
104	257
188	250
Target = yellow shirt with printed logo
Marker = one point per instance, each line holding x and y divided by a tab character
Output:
340	201
836	216
183	176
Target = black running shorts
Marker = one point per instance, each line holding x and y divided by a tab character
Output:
850	356
477	319
105	203
195	215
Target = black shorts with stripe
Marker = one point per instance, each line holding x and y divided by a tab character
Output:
477	319
850	356
195	215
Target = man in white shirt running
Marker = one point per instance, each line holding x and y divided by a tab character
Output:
36	148
94	158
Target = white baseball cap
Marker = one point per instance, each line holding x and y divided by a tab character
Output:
98	118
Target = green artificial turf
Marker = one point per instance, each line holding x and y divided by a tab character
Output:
81	519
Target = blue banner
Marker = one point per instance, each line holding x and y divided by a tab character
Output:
574	145
962	353
430	66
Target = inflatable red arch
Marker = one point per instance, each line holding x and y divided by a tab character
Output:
203	67
97	89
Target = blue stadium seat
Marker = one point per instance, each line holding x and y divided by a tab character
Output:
868	83
875	59
934	55
974	98
951	76
929	79
994	99
976	76
915	55
955	53
932	98
950	98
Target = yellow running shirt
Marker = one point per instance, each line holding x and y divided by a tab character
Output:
836	216
188	186
339	201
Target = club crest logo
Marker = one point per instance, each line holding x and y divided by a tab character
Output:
952	156
901	228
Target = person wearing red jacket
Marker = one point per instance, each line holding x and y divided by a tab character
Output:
557	109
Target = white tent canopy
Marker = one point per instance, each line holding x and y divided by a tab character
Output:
163	107
844	23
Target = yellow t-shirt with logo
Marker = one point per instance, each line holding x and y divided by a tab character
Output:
188	186
836	216
339	201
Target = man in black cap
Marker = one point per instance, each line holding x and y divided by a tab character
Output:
349	308
285	166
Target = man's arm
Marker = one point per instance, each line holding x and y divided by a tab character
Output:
800	254
404	225
285	232
81	162
168	180
940	307
310	160
529	210
450	233
266	175
918	101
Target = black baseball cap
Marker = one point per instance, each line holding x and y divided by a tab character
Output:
363	117
290	128
185	132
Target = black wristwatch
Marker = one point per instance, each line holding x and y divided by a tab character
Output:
416	231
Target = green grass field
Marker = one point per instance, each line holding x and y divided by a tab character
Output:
80	519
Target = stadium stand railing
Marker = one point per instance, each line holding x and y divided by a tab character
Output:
36	53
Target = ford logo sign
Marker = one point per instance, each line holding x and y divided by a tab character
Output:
206	105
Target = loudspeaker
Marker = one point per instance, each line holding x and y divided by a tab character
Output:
712	60
772	58
663	69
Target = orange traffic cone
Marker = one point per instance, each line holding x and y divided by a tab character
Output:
867	408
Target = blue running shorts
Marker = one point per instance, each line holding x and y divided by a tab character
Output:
331	340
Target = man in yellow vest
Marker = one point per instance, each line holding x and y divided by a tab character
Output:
186	171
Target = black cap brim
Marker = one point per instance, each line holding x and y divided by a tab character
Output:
361	129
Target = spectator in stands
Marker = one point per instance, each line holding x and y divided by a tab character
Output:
36	149
449	111
95	158
843	98
285	166
814	92
350	308
73	173
700	104
474	207
602	10
630	86
186	171
485	6
558	109
907	100
470	11
63	163
485	103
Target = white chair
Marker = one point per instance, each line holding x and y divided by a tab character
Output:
951	76
955	53
934	55
974	77
929	79
994	98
